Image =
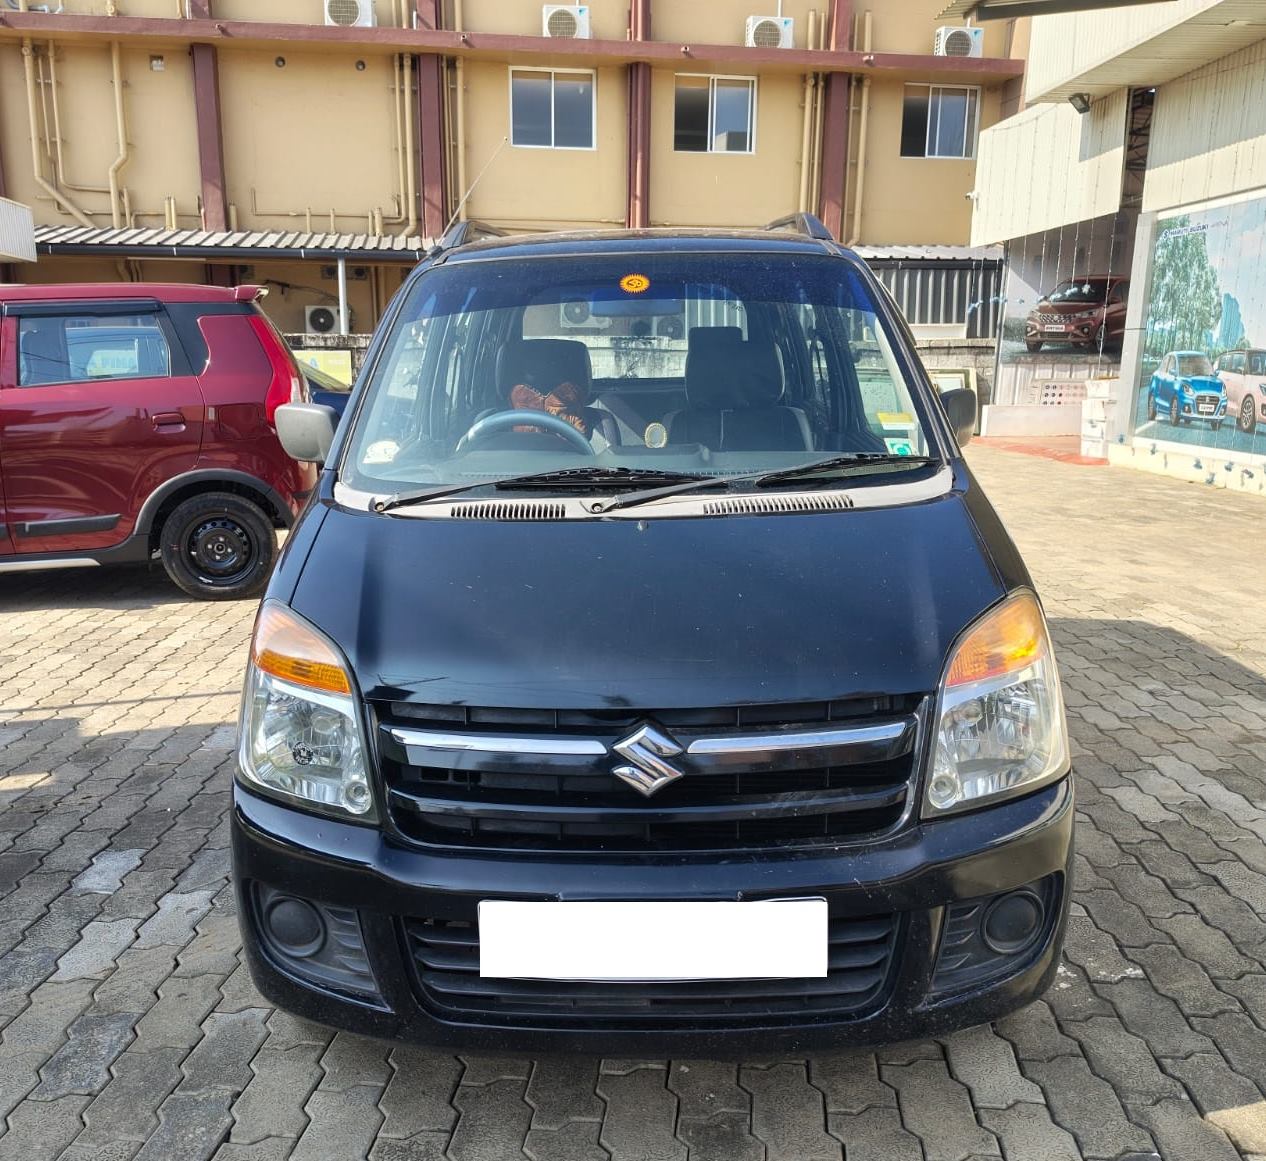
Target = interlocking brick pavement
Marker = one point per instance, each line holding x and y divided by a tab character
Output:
129	1029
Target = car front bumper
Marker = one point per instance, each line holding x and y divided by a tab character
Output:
928	880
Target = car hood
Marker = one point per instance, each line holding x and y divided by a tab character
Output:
1067	308
657	613
1204	383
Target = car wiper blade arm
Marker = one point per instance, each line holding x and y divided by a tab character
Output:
841	463
566	477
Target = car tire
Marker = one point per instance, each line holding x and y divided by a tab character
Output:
1175	414
1246	420
1032	345
219	546
1151	406
1216	424
1101	338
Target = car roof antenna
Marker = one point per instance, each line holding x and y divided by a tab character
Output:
478	178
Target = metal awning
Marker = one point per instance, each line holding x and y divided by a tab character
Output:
957	255
1011	9
236	245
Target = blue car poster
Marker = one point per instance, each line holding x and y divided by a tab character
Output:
1203	370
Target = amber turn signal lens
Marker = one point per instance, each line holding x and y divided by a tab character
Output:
1009	639
286	647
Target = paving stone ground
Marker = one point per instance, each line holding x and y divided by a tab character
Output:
129	1028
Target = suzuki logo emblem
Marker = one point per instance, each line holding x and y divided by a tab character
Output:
647	748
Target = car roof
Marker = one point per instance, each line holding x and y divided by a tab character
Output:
88	291
659	241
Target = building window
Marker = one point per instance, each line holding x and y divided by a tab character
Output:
939	121
715	115
551	110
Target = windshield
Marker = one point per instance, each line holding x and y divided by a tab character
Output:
711	365
1085	290
1194	365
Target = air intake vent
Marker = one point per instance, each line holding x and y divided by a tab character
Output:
509	510
755	505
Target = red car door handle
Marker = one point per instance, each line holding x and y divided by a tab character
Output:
168	421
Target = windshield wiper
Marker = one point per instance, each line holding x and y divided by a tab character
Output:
842	464
588	478
839	464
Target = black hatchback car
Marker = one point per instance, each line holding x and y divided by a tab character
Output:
649	672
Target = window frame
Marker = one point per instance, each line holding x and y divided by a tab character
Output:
592	74
973	128
712	78
178	365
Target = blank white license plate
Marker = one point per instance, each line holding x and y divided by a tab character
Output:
775	939
1205	408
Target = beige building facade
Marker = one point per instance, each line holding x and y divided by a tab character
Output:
252	140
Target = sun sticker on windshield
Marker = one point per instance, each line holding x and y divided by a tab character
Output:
635	283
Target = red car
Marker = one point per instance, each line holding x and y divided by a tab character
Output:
1088	313
136	420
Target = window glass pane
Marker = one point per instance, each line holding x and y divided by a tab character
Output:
690	130
530	108
732	117
947	130
969	143
573	111
75	350
914	122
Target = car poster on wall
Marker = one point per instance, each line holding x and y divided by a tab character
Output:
1068	291
1203	369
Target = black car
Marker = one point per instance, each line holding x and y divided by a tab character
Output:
649	672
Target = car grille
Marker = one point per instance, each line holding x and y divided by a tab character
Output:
445	957
1207	404
752	778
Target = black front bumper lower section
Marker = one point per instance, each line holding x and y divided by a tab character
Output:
935	916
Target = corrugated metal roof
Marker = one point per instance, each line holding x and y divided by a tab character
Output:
930	253
164	243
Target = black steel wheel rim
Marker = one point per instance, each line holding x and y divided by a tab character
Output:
220	549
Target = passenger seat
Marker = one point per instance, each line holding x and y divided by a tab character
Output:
733	393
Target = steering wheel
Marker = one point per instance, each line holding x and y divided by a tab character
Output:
501	420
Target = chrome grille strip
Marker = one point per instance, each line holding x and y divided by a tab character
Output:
884	740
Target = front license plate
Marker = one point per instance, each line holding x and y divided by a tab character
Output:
1205	408
1055	328
774	939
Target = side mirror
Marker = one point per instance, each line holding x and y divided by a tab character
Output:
960	408
306	430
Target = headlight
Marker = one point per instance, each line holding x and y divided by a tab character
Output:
300	729
1185	388
1000	726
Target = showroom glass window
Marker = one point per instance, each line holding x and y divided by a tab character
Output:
939	121
551	109
714	115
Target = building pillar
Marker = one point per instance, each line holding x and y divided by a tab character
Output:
638	211
429	69
833	170
206	103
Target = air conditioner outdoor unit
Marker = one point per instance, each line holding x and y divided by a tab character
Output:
322	320
956	41
350	13
576	314
770	32
565	21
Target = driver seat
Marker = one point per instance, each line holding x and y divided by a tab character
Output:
543	365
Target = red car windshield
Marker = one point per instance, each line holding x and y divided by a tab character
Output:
1089	290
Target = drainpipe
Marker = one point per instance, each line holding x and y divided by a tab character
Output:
342	296
59	160
410	162
861	143
116	69
37	168
807	127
